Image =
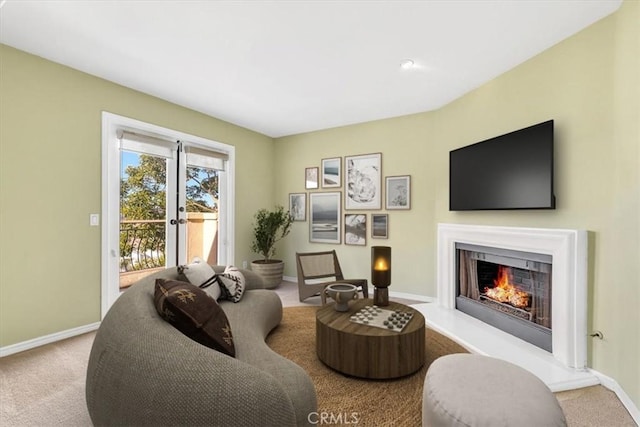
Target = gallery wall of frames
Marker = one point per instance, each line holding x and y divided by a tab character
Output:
341	196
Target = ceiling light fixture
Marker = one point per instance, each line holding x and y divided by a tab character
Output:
407	64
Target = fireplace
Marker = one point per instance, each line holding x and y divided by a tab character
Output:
564	249
508	289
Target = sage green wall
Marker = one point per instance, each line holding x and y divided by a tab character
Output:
50	181
590	85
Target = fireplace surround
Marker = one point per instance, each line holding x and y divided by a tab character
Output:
568	251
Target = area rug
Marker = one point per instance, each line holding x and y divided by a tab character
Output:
345	400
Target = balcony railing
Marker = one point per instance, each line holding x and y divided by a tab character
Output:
142	244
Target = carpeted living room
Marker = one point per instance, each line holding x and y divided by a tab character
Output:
372	124
46	385
402	402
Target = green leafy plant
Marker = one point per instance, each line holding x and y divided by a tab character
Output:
269	227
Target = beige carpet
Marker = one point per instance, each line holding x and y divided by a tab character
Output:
45	386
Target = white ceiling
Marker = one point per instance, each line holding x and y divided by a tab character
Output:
286	67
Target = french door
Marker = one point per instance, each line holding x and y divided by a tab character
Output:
167	198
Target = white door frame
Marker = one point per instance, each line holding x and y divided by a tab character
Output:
110	265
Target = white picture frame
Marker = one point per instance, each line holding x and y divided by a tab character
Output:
398	192
363	181
379	226
325	222
311	178
298	206
355	229
332	172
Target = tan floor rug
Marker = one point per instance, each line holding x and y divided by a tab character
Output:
369	402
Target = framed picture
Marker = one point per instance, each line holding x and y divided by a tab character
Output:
298	206
398	192
363	181
379	226
310	178
331	172
355	229
325	224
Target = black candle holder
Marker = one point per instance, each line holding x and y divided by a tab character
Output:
381	274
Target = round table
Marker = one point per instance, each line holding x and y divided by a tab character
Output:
368	351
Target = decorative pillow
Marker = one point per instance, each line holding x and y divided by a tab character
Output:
202	275
232	283
194	313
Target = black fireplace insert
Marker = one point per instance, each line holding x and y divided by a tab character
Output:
510	290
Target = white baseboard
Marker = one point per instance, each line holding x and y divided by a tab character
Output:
405	295
47	339
613	385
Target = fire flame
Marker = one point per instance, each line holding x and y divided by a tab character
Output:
504	291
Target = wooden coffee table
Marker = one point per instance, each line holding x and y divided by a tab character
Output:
368	351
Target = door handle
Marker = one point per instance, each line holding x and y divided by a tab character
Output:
180	221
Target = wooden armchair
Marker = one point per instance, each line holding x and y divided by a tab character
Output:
315	266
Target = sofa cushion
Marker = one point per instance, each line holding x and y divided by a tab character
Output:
194	313
201	274
232	283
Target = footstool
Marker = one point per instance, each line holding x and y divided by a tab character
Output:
474	390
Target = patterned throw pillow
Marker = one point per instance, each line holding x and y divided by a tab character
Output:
232	283
194	313
202	275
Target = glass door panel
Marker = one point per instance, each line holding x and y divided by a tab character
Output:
147	239
201	200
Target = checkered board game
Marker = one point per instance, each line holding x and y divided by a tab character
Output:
372	315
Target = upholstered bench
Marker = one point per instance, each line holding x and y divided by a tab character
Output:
474	390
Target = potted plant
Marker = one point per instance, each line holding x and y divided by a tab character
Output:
269	228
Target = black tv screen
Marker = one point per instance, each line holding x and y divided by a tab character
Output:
511	171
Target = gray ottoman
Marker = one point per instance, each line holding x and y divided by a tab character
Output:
473	390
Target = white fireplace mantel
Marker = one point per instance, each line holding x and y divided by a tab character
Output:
568	249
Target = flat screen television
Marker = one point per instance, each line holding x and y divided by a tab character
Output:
511	171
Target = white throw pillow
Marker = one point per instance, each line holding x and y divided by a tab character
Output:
202	275
232	282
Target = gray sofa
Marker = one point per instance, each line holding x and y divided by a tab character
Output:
143	371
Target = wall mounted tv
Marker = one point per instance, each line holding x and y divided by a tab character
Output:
511	171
